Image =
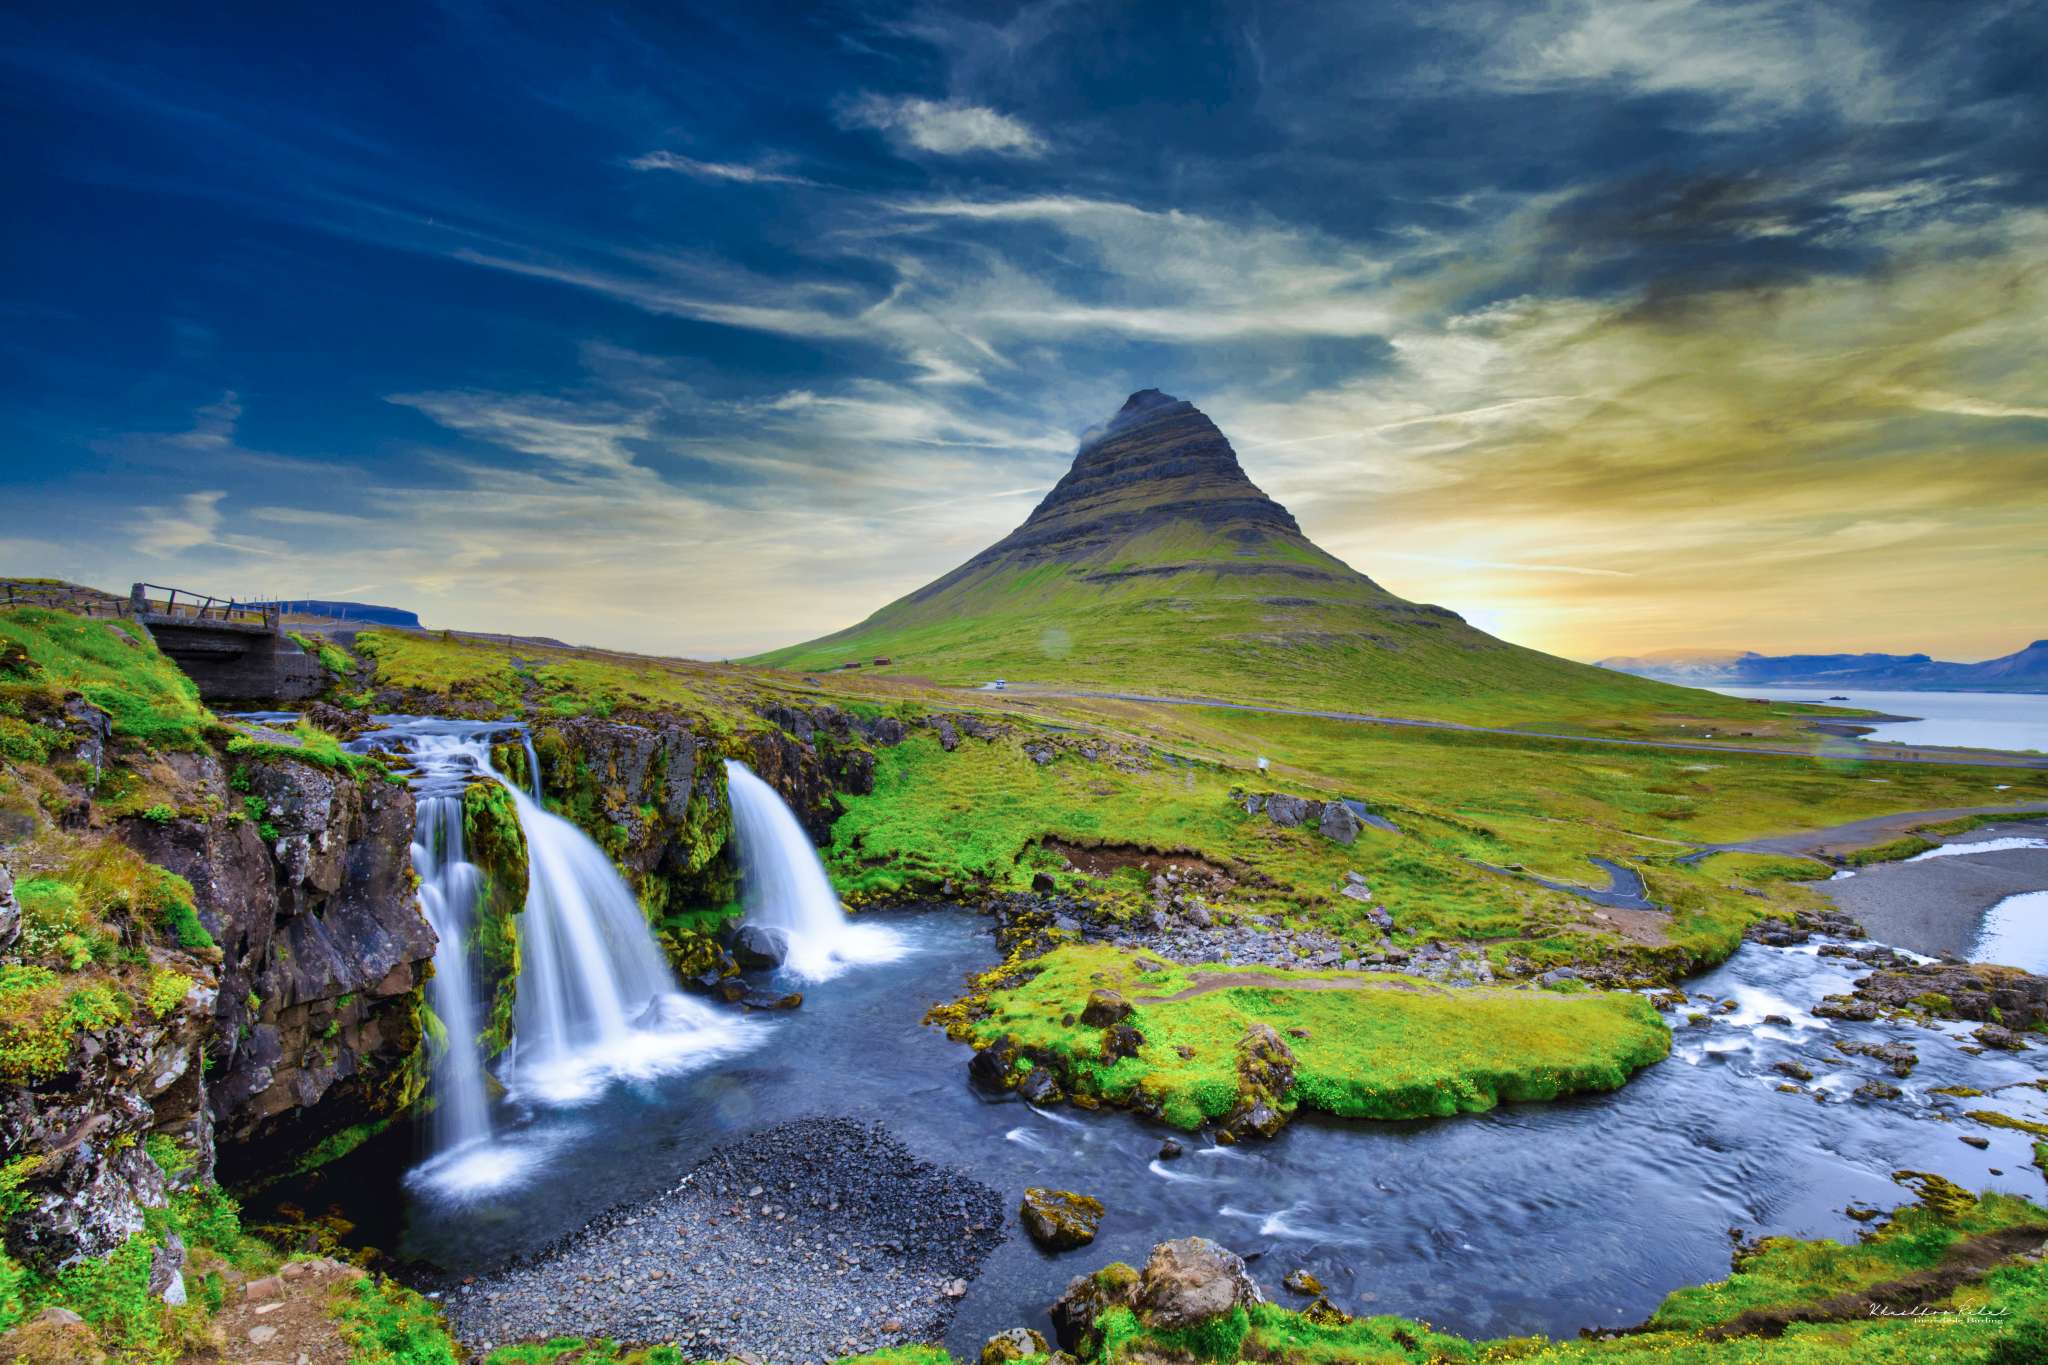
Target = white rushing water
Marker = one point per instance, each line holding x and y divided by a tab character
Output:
594	1001
448	889
785	888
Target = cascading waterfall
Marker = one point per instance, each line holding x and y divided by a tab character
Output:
785	888
448	891
594	1000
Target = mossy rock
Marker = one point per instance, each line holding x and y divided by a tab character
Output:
1059	1220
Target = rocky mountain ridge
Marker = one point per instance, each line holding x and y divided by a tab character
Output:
2024	670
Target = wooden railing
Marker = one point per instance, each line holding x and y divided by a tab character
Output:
61	597
184	604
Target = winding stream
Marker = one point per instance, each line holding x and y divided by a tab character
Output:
1535	1218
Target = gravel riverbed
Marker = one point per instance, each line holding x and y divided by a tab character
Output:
803	1242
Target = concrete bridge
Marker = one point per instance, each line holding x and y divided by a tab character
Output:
235	652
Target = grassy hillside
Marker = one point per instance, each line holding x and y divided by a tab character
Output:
1157	566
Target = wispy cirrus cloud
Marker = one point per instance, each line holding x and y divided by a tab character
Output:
730	171
945	128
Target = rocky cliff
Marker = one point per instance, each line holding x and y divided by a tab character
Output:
211	948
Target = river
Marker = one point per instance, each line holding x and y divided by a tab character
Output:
1534	1218
2016	721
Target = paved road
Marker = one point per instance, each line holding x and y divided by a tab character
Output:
1859	749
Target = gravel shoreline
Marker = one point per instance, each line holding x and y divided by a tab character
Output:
1937	907
803	1242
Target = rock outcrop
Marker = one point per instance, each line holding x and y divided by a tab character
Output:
652	796
82	1132
1184	1284
1961	990
324	948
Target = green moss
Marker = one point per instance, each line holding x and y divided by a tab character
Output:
1377	1046
1783	1271
24	741
444	664
494	843
310	744
386	1323
332	658
41	1016
167	990
113	666
1891	851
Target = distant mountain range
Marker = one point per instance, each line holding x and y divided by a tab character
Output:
2024	671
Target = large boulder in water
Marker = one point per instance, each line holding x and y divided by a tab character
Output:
1188	1282
758	946
1184	1284
1059	1220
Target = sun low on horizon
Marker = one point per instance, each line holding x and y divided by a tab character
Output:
1614	327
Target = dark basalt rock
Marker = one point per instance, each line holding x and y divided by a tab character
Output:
1039	1086
1265	1073
1059	1220
1899	1057
1963	990
1998	1036
756	947
324	948
10	912
989	1068
769	1000
1120	1041
1339	823
1289	811
1104	1008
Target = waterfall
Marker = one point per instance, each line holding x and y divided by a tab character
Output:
785	888
448	889
532	764
594	1001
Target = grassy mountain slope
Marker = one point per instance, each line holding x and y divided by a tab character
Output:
1156	565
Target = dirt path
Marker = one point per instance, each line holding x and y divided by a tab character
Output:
1890	753
281	1319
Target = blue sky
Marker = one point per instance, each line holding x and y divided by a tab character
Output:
1616	325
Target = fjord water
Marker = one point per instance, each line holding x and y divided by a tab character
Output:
1540	1217
784	886
2015	721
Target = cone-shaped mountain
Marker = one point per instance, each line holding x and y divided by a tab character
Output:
1157	565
